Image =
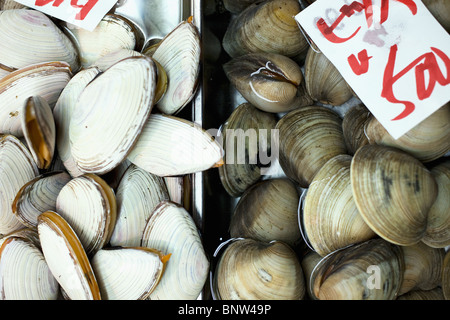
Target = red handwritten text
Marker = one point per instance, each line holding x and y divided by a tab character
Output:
423	89
349	10
359	65
85	9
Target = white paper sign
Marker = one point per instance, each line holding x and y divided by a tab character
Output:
393	53
85	14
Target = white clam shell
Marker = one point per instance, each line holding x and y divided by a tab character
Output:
106	61
179	55
171	146
38	126
172	230
138	194
46	80
62	114
127	273
29	37
66	258
17	167
89	206
110	114
38	195
24	273
112	33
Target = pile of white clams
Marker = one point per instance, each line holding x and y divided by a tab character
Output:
93	158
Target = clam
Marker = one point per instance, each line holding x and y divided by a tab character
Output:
330	217
423	267
138	194
128	273
107	60
308	138
437	234
393	192
353	127
17	167
10	4
38	195
309	261
433	294
62	114
172	146
38	126
66	258
242	162
179	54
268	211
30	37
253	270
179	189
24	273
112	33
440	9
266	26
270	81
171	230
372	270
46	80
427	141
88	204
446	276
323	81
110	114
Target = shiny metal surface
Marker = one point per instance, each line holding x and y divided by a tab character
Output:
155	18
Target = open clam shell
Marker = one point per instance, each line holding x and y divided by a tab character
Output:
268	211
253	270
309	137
62	114
38	195
323	81
138	194
172	146
242	161
110	114
66	258
330	216
46	80
427	141
423	267
266	26
128	273
437	234
17	167
172	230
112	33
30	37
88	204
393	192
372	270
39	130
179	54
24	273
271	82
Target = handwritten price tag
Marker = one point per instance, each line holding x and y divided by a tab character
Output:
85	14
393	53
